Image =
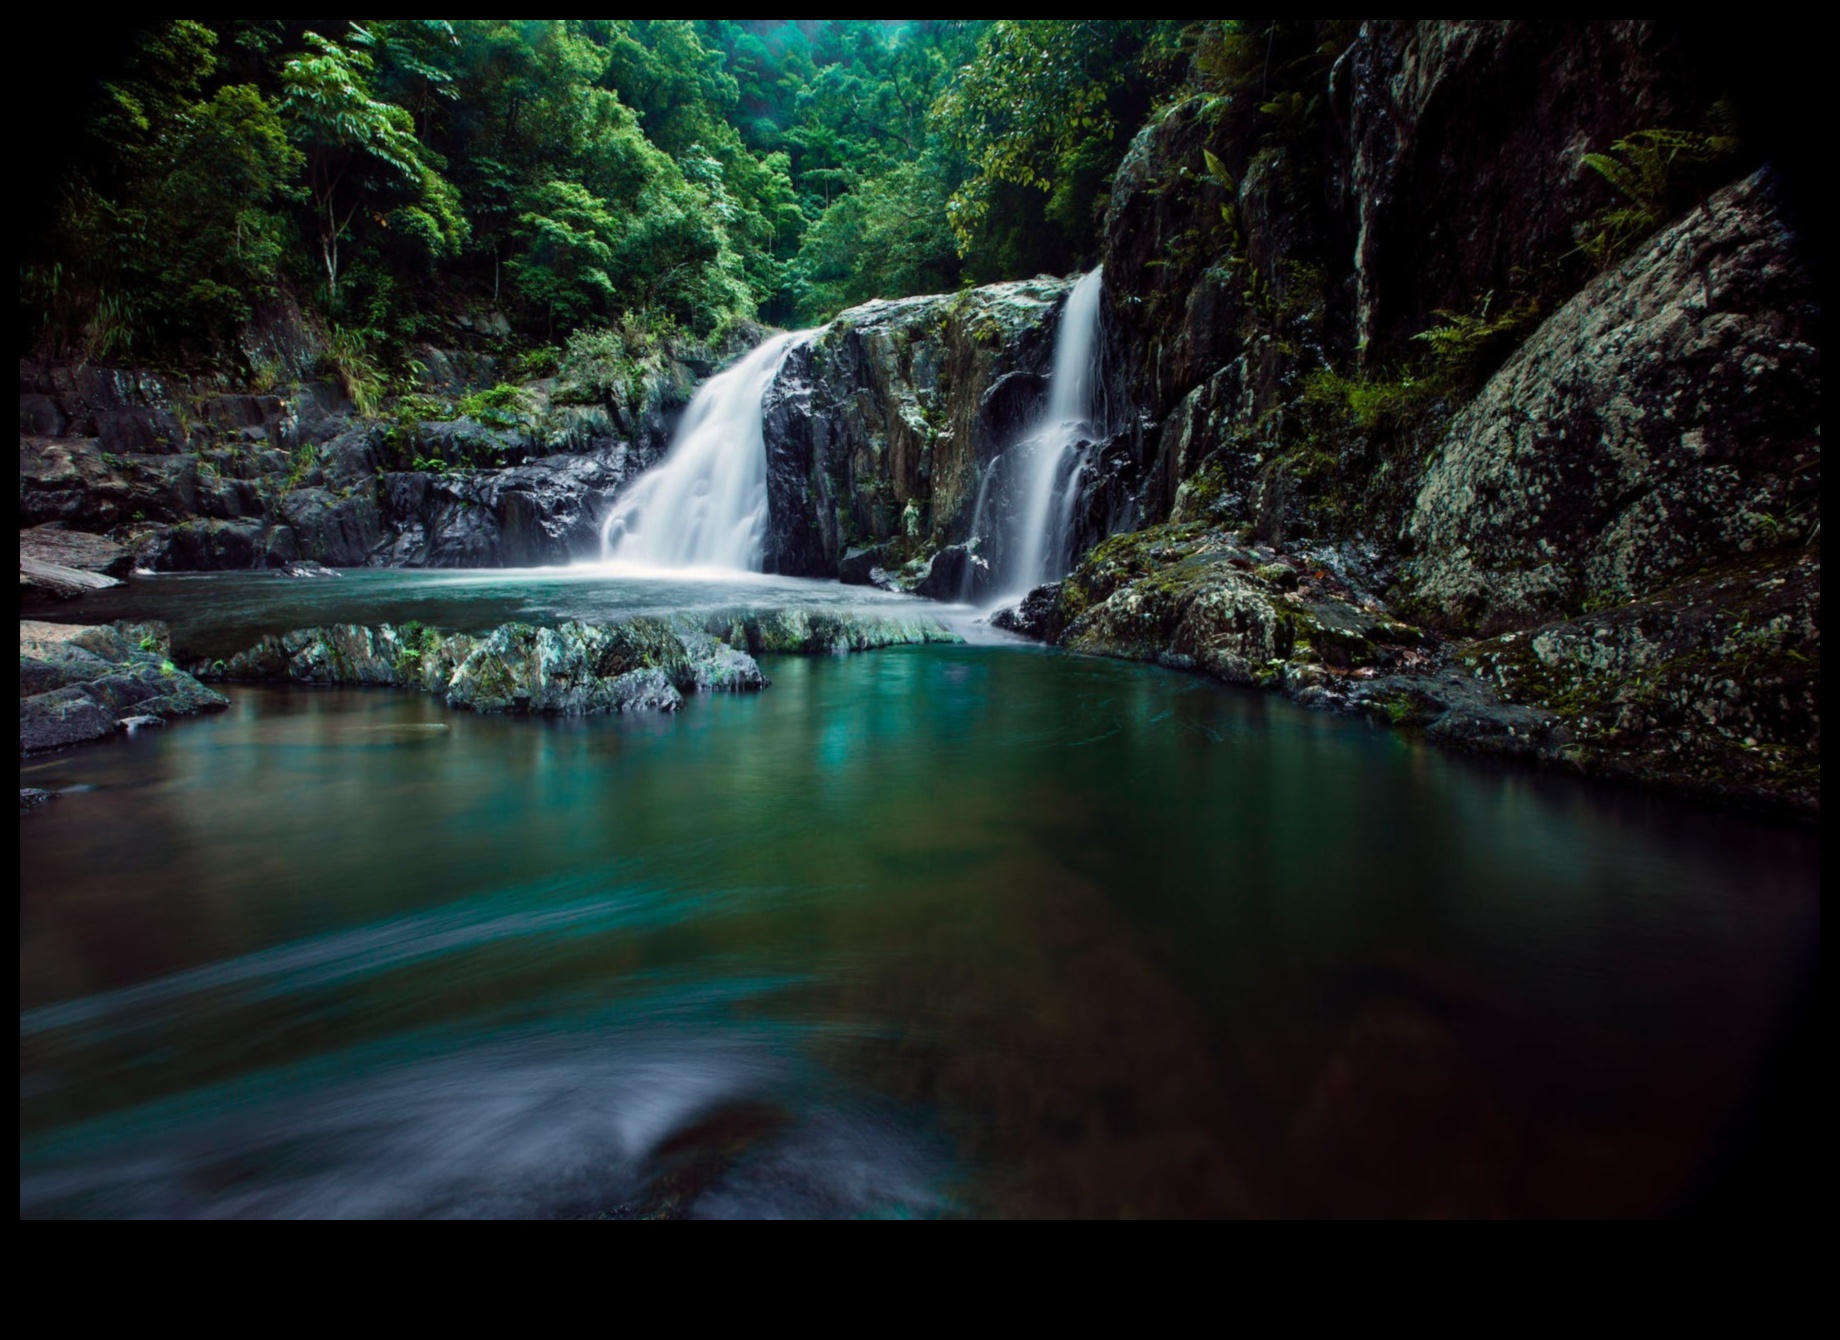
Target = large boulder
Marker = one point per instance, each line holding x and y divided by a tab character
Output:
79	683
957	572
334	529
205	545
76	549
1037	615
883	423
1668	413
59	564
53	581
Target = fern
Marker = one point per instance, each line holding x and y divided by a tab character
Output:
1229	212
1647	169
1466	344
1292	115
1218	171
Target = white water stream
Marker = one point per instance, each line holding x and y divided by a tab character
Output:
705	504
1047	464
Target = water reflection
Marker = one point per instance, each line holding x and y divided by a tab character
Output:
936	930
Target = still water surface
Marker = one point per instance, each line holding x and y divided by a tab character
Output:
221	613
929	931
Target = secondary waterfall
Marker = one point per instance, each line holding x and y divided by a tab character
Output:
705	503
1045	468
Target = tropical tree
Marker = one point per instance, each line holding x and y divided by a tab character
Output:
360	150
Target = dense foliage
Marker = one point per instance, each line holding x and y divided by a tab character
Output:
386	175
544	177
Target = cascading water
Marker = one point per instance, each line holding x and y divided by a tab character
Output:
705	503
1045	468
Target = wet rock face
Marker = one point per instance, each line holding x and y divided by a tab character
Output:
1037	615
545	511
78	684
1177	314
1668	414
190	478
1464	145
886	419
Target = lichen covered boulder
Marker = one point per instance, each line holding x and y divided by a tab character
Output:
576	669
1712	684
80	683
1669	413
1191	597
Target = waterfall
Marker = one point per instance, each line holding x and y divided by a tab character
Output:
1045	468
705	503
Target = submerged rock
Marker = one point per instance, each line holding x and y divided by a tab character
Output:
306	567
823	632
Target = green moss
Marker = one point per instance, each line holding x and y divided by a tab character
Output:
495	681
1371	402
1075	599
1401	709
1204	494
503	406
415	642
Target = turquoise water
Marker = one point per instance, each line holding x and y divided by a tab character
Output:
931	931
221	613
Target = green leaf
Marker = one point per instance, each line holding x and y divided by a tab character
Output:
1218	171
